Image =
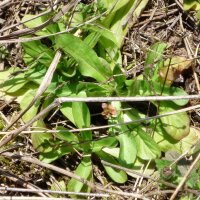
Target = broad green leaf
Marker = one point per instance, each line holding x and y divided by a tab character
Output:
104	33
128	149
51	28
93	89
102	143
39	140
35	51
112	151
92	39
55	153
154	56
12	80
84	170
66	136
24	103
139	166
147	148
177	125
81	114
49	148
191	139
164	140
191	5
88	62
66	109
116	175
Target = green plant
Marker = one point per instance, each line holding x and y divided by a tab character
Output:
91	65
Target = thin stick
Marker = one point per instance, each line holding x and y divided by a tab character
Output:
185	178
70	174
33	198
57	103
53	192
126	99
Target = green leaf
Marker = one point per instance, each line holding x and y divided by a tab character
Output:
127	145
164	140
191	5
147	148
155	55
24	103
52	28
177	125
88	62
55	153
84	170
191	139
13	84
102	143
66	109
35	51
81	114
66	136
40	139
116	175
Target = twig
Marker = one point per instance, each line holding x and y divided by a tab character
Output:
70	174
33	198
57	102
185	177
53	192
126	99
5	3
